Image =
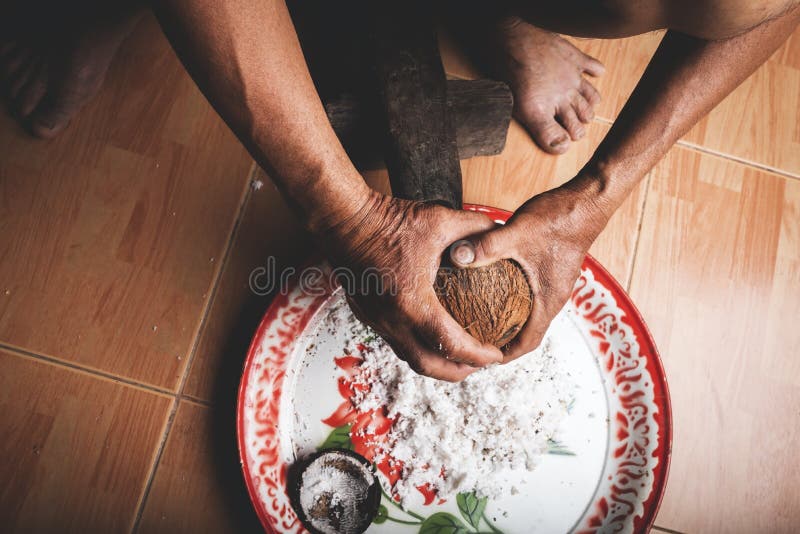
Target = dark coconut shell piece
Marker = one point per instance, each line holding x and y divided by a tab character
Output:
350	464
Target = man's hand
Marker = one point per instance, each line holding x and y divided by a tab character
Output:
401	243
548	236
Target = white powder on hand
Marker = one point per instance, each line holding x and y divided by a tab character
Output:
460	437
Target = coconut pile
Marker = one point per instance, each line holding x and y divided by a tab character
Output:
459	437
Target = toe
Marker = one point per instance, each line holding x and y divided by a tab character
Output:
20	79
545	130
48	119
589	93
569	119
13	61
32	93
6	48
583	109
591	66
51	115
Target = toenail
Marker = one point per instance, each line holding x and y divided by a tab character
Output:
558	142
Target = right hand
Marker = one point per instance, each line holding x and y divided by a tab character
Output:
402	243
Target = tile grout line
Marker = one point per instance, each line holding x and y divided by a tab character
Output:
57	362
737	159
190	359
668	530
196	401
730	157
640	221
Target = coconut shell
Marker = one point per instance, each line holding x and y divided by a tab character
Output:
492	303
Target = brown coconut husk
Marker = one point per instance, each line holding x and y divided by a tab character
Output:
492	303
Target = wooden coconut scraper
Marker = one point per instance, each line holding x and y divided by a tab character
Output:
422	157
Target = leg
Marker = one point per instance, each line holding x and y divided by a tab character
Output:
552	97
51	68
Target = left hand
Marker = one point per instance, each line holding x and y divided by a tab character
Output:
548	236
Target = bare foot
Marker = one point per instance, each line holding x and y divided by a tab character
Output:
48	76
552	98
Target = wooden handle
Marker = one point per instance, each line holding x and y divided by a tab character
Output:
421	151
480	109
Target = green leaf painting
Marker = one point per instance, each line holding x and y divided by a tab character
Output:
339	438
442	523
471	507
383	514
558	448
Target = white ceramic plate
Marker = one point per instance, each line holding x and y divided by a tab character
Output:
606	473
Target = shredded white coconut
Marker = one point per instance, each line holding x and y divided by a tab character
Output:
460	437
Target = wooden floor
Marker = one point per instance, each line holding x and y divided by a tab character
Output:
126	243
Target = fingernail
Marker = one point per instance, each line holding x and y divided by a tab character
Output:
462	252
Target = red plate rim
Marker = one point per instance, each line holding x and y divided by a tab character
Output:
634	320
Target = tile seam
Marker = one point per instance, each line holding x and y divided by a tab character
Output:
190	359
95	373
724	155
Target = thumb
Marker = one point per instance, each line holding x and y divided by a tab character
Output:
478	250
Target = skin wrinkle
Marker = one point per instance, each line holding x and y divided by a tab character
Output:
246	58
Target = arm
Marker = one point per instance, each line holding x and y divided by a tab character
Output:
550	234
245	57
686	78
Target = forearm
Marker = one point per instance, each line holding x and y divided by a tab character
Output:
685	79
245	57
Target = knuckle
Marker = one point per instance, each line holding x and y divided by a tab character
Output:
420	366
452	349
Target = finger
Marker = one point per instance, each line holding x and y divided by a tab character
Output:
441	333
457	224
482	249
437	367
531	335
589	92
569	119
425	362
548	302
462	253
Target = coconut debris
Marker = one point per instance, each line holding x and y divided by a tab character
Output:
332	493
460	437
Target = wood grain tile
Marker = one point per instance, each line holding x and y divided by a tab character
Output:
198	486
717	278
76	449
269	237
110	235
